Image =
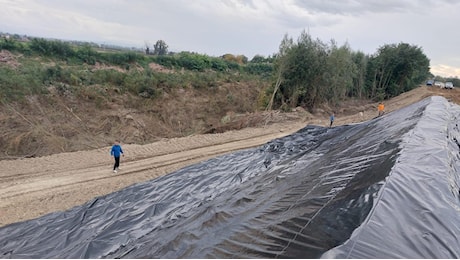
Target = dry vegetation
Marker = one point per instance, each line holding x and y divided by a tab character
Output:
44	125
66	120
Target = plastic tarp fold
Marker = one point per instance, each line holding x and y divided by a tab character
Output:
418	210
384	188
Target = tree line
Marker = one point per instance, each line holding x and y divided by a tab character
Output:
310	72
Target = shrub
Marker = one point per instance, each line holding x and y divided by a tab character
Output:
107	76
48	48
166	61
87	54
120	58
15	84
263	69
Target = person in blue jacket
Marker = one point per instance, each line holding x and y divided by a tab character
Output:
116	152
332	117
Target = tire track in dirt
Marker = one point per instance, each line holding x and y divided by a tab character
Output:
72	177
138	152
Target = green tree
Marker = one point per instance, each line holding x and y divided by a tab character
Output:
358	88
396	69
160	48
262	59
338	76
258	59
300	76
280	66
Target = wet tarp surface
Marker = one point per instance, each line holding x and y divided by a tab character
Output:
385	188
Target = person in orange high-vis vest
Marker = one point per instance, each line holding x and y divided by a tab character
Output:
381	109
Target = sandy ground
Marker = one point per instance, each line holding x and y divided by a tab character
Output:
33	187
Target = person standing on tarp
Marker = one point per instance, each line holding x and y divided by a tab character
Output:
116	152
332	119
381	109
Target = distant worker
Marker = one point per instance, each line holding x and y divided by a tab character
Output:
332	119
381	109
116	152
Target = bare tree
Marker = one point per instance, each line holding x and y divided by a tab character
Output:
147	48
285	45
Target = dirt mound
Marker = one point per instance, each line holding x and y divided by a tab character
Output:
8	58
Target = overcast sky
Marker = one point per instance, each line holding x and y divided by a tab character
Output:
246	27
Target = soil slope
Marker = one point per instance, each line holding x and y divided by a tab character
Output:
31	187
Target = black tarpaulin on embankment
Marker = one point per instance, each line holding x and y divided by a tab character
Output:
385	188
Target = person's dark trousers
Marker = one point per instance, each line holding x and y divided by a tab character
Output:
117	163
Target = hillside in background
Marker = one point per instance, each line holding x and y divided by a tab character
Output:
83	106
60	97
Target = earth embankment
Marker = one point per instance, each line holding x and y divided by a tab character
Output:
31	187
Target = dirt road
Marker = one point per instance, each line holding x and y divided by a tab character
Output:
33	187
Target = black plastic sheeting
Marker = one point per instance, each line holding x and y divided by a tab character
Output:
385	188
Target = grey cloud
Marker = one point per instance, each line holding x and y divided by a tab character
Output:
236	3
358	7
